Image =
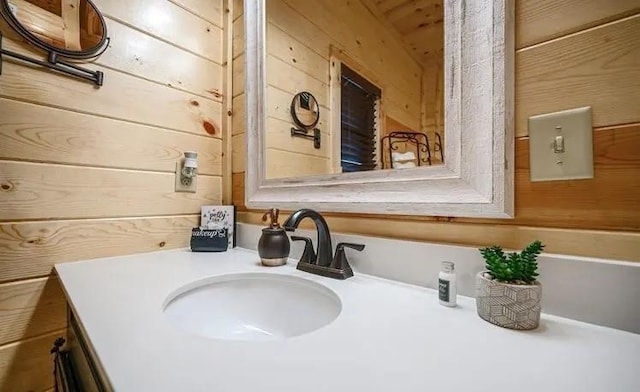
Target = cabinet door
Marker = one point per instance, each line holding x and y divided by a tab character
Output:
86	371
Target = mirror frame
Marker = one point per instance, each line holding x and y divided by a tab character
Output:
477	178
13	21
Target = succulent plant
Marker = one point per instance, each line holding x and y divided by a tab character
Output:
515	268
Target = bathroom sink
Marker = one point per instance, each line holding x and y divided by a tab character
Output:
252	307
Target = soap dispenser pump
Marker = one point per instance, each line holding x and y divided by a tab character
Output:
273	246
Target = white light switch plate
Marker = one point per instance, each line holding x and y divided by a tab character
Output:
561	145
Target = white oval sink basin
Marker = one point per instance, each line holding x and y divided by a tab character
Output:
252	307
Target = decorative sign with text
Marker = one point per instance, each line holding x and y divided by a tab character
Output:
220	217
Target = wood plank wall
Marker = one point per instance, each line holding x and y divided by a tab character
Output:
570	53
302	37
88	172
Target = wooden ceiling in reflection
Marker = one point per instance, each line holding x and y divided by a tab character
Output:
53	6
420	24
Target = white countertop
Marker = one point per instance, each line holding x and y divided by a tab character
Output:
388	337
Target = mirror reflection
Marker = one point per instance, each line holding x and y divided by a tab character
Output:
369	71
72	25
305	111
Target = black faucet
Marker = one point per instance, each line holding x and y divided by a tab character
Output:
321	264
323	257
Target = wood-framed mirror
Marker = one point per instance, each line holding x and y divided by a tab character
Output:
477	51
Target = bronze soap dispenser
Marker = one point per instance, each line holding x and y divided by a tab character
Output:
273	246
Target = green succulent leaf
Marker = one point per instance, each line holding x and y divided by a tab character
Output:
513	267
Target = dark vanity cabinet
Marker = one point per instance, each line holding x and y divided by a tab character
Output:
76	367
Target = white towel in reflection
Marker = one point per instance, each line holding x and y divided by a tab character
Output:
403	165
403	156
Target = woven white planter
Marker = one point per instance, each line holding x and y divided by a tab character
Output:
507	305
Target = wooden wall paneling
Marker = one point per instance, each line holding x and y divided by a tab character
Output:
607	202
123	97
71	18
284	152
598	67
227	125
138	54
290	19
238	192
592	67
31	308
610	200
337	18
392	125
238	115
279	107
69	150
545	20
401	72
238	37
27	365
167	21
405	111
284	164
294	67
292	80
279	137
142	55
299	62
44	134
433	96
32	248
238	142
238	75
33	191
238	153
289	49
238	9
439	109
212	11
593	243
47	26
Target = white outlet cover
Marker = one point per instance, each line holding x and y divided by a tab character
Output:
576	162
179	187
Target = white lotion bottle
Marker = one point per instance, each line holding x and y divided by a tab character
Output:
447	291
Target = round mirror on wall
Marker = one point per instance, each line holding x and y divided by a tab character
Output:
70	28
305	113
305	110
65	29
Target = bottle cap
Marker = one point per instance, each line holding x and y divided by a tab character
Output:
448	266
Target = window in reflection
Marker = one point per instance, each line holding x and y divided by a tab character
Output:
359	101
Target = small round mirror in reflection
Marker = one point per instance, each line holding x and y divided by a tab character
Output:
305	110
71	28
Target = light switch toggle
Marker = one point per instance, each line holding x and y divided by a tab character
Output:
558	144
561	145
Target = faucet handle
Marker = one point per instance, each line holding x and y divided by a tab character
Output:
340	261
309	255
358	247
